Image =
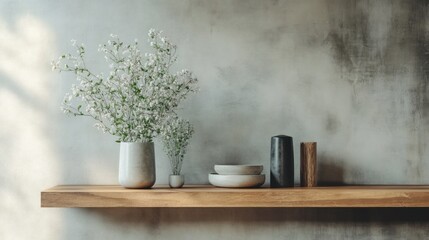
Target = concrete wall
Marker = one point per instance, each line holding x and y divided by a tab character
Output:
351	75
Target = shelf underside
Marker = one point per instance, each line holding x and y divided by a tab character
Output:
103	196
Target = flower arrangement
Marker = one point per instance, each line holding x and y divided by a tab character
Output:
133	101
175	136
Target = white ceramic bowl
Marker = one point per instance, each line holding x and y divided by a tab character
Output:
236	181
238	169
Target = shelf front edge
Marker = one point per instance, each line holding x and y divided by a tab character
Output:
208	197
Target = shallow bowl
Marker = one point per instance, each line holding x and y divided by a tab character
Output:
238	169
236	181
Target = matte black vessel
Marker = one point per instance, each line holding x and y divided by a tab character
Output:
282	166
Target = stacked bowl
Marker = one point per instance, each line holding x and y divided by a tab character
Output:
237	176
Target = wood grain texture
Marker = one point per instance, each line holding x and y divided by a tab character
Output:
207	196
308	164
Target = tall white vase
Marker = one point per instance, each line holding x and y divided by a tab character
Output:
137	165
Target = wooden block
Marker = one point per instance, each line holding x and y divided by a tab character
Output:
308	164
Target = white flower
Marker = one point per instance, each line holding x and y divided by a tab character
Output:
135	99
176	134
151	33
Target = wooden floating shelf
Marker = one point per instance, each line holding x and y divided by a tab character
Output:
104	196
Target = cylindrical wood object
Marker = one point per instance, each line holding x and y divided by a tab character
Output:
308	164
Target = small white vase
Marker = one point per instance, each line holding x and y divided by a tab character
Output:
176	181
137	165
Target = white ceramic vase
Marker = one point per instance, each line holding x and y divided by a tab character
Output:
176	181
137	165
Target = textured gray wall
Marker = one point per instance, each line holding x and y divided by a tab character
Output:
351	75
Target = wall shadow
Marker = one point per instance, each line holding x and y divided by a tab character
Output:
153	216
330	171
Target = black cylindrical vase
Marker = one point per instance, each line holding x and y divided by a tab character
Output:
282	167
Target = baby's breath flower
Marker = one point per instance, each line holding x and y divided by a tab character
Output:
176	134
135	99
